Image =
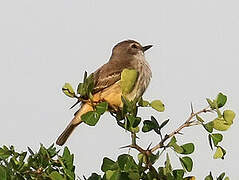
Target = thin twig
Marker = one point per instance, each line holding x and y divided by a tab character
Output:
192	112
187	123
135	146
148	152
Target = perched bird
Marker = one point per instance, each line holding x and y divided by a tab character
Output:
127	54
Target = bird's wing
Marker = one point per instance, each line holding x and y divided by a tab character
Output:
108	74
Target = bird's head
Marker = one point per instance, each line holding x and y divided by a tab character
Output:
129	48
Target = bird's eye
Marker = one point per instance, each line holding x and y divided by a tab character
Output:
134	46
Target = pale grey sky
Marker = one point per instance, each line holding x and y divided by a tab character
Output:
44	44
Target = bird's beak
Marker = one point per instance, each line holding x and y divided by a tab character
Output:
145	48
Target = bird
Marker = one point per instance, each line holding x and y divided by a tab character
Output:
128	54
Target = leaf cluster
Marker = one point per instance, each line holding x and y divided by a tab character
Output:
222	122
46	164
126	168
220	177
84	89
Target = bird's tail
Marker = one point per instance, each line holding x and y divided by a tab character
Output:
65	134
72	125
112	95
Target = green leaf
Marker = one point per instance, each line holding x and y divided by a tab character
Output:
211	103
70	174
128	106
122	161
134	129
220	153
133	121
175	146
143	103
126	124
52	151
217	137
68	90
101	108
221	100
134	176
153	119
168	166
153	157
209	126
210	141
209	177
178	174
22	156
220	124
128	80
30	151
156	128
4	153
112	175
187	163
229	116
126	163
137	120
80	89
199	118
189	178
90	83
140	157
85	76
56	176
94	176
152	175
3	173
91	118
68	159
173	140
188	148
85	88
157	105
163	124
148	126
108	164
161	170
221	176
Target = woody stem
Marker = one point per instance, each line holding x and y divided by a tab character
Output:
187	123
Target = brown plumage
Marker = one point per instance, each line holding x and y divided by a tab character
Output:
126	54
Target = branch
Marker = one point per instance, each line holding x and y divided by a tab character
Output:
135	146
187	123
